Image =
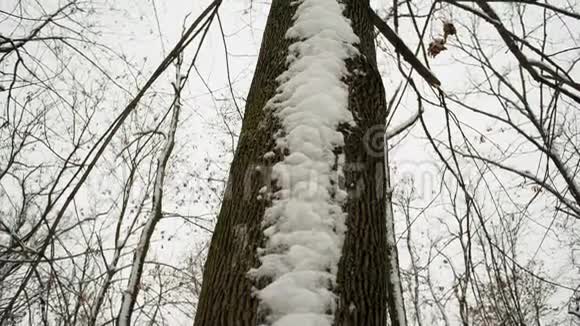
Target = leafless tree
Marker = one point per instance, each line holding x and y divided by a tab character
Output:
89	177
77	176
508	155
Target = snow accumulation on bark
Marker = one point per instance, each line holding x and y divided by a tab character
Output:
305	224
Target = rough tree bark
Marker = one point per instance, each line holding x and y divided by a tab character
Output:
226	296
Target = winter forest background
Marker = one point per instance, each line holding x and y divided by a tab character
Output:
105	103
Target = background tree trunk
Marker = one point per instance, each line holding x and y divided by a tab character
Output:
226	296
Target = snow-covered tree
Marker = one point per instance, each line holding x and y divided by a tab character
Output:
301	238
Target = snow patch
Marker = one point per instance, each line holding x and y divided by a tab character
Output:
305	225
270	155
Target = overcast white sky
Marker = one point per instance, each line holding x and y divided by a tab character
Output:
146	29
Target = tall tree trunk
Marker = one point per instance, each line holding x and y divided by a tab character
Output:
227	292
362	275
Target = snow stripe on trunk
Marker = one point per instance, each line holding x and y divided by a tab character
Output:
305	225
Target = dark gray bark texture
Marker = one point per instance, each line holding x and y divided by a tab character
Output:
362	291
